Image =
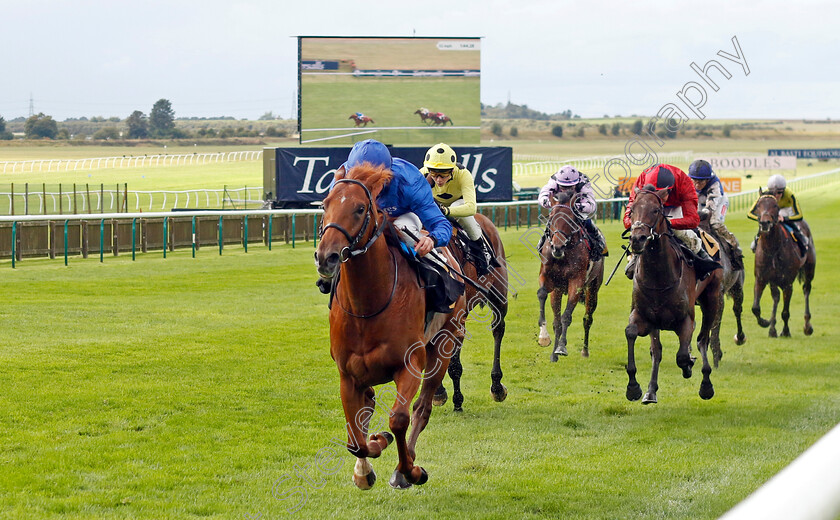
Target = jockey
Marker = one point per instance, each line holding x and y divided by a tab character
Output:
789	212
454	191
569	179
713	200
407	197
680	208
359	116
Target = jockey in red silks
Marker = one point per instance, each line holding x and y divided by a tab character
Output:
680	207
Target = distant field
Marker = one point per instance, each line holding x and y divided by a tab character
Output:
396	53
328	102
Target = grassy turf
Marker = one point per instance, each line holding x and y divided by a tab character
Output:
184	388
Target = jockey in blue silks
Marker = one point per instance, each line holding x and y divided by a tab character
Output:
407	196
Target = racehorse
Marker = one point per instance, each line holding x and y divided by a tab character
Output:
362	121
778	263
439	118
566	268
495	286
733	285
377	331
424	115
665	289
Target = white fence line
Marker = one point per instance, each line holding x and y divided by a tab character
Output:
131	161
102	200
547	166
807	489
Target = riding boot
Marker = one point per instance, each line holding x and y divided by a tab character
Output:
737	256
599	245
754	244
801	240
482	257
630	270
540	245
324	285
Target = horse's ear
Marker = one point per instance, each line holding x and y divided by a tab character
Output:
340	172
378	179
760	191
663	194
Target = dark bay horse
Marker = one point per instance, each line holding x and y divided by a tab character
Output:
665	289
362	121
377	330
424	114
495	283
566	268
733	285
778	263
439	118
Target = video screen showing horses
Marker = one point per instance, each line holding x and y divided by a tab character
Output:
395	90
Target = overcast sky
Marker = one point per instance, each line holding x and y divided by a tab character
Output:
238	58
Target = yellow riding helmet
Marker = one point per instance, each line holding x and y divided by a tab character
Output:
440	157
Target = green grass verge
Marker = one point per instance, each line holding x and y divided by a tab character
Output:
185	388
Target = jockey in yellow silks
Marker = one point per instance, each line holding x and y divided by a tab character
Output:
454	190
789	212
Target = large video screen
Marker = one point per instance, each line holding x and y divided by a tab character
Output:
396	90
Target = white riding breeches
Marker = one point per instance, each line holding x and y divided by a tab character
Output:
470	224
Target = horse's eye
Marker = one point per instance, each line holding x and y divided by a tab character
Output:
360	210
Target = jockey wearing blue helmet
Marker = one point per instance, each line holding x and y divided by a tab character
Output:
407	196
712	201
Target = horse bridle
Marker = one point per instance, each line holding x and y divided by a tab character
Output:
348	251
553	232
639	224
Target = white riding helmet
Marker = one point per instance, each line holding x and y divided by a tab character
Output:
776	183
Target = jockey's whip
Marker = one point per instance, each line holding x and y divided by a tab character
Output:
616	265
442	260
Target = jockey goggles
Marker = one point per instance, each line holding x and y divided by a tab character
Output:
440	173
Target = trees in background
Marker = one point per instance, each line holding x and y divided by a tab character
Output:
4	135
40	126
138	125
162	119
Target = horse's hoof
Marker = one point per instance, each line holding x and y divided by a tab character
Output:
398	481
544	341
584	353
457	409
763	323
554	357
440	399
686	372
500	396
561	351
385	435
649	398
740	339
424	477
785	333
773	334
808	329
634	392
707	391
365	482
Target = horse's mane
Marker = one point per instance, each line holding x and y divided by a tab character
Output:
374	177
563	197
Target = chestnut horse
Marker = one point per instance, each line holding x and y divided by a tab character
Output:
424	115
665	289
733	285
566	268
495	285
377	330
362	121
440	118
777	262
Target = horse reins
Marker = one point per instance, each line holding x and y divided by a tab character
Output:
349	252
638	224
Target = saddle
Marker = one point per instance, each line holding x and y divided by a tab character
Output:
703	267
442	288
473	251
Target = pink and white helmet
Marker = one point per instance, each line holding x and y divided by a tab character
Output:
567	176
